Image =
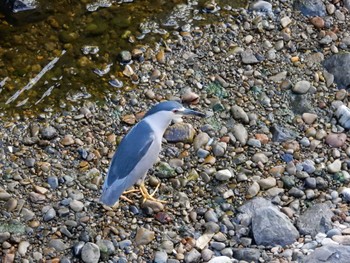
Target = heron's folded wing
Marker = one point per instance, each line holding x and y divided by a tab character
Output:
132	148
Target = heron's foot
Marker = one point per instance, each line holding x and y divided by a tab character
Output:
125	198
147	196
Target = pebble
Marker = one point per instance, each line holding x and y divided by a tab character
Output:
57	244
302	87
210	216
239	114
200	140
192	256
260	157
67	140
48	133
336	140
90	253
180	132
285	21
240	133
23	247
309	118
223	175
267	183
76	205
335	166
144	236
160	257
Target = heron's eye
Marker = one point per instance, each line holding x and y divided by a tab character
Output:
175	111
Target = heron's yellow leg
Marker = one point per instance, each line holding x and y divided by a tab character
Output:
147	196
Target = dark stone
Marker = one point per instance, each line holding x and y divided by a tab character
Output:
48	133
339	66
310	7
29	162
247	254
281	134
24	11
329	254
316	219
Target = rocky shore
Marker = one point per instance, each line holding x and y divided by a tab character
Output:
264	178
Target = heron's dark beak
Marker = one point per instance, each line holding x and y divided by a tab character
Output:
193	112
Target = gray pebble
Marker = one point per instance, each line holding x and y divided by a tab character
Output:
90	253
48	133
211	216
207	254
50	214
57	244
160	257
192	256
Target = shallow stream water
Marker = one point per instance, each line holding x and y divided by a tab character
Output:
72	54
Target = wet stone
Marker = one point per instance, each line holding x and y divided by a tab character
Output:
125	56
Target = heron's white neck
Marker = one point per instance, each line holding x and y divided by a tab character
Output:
160	121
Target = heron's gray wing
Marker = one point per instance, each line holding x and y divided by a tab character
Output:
132	148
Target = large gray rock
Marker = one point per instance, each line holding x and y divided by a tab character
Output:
271	227
316	219
329	254
250	207
339	66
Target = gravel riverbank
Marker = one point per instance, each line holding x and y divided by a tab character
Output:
264	178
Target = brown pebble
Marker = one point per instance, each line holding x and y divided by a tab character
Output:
67	140
317	21
309	118
161	56
129	119
262	138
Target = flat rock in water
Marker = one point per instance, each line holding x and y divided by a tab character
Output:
316	219
329	254
271	227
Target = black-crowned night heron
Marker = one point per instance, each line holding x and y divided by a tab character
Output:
139	149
